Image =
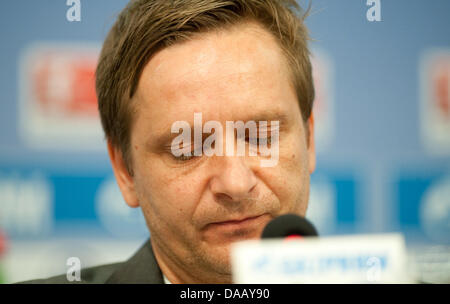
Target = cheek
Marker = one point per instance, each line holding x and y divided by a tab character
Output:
290	179
291	172
166	197
294	155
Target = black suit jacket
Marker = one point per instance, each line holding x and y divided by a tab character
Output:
141	268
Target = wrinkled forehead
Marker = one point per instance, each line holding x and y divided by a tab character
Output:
234	74
247	39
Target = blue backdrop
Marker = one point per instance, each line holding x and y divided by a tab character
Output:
379	167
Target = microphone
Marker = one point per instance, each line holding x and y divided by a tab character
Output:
370	258
289	226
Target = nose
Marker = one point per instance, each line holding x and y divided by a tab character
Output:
234	180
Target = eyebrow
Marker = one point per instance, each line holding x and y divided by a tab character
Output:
271	116
164	140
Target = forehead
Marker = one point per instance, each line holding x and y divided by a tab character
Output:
231	74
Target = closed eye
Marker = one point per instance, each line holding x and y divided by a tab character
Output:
259	140
183	158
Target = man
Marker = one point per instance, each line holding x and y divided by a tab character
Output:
167	61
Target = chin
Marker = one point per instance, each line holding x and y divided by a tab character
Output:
219	257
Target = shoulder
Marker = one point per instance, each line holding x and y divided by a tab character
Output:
141	268
93	275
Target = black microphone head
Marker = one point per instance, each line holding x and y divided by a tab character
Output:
288	224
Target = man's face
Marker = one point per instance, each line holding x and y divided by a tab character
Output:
196	208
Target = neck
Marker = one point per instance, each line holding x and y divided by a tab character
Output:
179	272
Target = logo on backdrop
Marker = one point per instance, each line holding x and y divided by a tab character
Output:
323	102
322	206
26	204
58	104
115	215
435	211
435	101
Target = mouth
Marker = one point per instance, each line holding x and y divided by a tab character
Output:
237	222
240	227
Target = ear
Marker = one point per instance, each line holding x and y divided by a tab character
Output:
311	144
123	177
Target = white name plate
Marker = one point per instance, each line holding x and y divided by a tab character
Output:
339	259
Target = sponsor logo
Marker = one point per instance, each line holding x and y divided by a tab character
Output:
322	206
26	204
434	211
435	101
57	99
115	215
